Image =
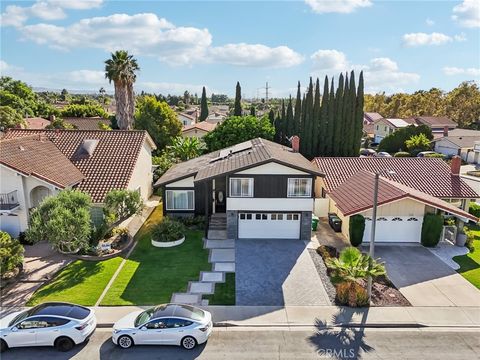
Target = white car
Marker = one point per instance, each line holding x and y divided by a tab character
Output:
383	154
62	325
167	324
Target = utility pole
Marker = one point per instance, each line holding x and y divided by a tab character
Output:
266	93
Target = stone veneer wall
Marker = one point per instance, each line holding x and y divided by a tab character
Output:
306	226
232	224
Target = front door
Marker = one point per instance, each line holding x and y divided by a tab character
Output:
220	195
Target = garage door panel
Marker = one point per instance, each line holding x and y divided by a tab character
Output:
269	225
395	229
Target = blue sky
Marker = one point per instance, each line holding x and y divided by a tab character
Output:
400	45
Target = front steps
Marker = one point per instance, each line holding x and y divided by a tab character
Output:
221	256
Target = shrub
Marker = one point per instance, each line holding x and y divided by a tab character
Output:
197	222
11	253
121	204
22	237
474	209
168	230
436	155
470	239
431	230
351	294
356	229
326	252
402	154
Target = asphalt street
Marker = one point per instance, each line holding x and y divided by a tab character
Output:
278	344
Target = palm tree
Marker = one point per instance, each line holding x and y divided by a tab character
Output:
121	70
186	148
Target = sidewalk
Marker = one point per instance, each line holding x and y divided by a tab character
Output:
296	316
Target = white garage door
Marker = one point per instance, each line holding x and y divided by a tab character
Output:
395	229
269	225
10	224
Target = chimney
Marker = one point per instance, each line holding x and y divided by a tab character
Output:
455	165
295	141
445	130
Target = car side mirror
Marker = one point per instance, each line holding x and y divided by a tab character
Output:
143	328
14	329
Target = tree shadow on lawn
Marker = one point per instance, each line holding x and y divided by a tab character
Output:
466	263
159	272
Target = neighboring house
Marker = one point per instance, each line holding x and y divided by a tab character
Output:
265	190
462	142
36	123
216	117
438	124
35	164
408	189
186	119
384	127
371	117
87	123
198	130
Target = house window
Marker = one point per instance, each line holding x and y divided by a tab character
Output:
385	128
180	200
299	187
241	187
377	127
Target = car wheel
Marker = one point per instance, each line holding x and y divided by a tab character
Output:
125	342
3	346
189	342
64	344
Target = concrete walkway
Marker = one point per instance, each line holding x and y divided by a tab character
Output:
446	252
326	236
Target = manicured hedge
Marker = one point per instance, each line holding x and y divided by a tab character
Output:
474	209
431	230
402	154
356	229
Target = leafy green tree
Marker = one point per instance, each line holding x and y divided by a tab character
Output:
463	104
159	120
203	106
64	96
252	110
396	141
11	253
63	220
237	129
121	68
162	163
10	118
418	143
185	148
237	107
120	204
87	110
16	103
59	123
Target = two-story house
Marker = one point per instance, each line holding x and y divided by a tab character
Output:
384	127
262	189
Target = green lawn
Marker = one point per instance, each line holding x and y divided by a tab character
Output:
81	282
224	292
151	275
470	263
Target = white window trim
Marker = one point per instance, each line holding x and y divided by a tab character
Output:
172	209
299	196
251	185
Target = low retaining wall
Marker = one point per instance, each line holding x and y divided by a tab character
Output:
168	243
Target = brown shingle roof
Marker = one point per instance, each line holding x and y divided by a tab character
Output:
203	125
260	152
429	175
371	116
356	195
36	123
86	123
111	164
435	121
37	156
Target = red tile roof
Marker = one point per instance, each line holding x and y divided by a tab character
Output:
356	195
112	162
202	125
429	175
36	123
86	123
39	157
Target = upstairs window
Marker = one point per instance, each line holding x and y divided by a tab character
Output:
299	187
241	187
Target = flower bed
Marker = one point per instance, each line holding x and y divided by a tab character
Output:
168	233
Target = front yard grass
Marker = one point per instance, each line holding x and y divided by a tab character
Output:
151	275
224	292
470	263
81	282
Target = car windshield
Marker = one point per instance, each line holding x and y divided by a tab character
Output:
19	318
144	317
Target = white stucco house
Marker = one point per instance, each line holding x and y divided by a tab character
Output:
462	142
35	164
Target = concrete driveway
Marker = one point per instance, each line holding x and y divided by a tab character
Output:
276	273
424	279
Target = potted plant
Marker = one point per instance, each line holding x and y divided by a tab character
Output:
168	233
462	236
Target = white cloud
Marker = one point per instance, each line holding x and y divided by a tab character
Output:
467	14
256	55
44	9
429	22
337	6
460	37
87	76
454	71
381	74
147	34
421	39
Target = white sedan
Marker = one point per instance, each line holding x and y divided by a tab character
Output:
62	325
167	324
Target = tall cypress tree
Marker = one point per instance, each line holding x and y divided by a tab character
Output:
308	132
316	126
323	124
290	125
283	123
278	128
301	133
359	116
346	140
271	117
203	106
352	116
297	116
237	108
252	110
331	121
338	135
